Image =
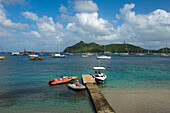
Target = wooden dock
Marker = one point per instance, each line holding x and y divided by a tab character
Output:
99	101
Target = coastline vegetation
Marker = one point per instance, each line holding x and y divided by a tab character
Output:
93	47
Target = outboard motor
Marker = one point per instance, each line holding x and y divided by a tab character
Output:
50	81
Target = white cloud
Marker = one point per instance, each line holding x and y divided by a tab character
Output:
7	22
85	6
30	15
63	9
35	33
153	27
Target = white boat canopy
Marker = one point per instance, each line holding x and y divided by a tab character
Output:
99	68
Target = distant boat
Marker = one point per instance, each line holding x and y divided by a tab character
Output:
107	53
2	57
89	54
84	55
33	55
149	53
104	56
36	58
58	55
116	53
140	54
125	54
165	54
15	53
42	53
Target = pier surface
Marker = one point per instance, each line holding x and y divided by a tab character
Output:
99	101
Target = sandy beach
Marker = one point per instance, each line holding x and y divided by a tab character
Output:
139	101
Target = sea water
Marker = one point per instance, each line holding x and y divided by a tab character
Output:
24	83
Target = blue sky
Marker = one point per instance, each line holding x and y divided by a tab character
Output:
39	24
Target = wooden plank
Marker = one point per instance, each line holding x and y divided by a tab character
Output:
88	79
99	101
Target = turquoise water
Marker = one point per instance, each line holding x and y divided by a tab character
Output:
24	88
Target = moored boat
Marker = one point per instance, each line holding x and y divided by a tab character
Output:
2	57
33	55
98	76
58	55
73	86
61	80
104	57
164	55
36	58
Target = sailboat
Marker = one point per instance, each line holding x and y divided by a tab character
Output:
33	54
125	54
149	53
165	54
140	54
58	54
2	57
104	56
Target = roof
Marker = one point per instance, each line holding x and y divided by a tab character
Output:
98	67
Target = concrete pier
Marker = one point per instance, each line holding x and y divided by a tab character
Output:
99	101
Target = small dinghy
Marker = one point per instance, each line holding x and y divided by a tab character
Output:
73	86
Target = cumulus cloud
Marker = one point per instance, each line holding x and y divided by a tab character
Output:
63	9
30	15
85	6
153	27
35	33
7	22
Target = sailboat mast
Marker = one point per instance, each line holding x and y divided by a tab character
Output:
166	48
58	49
104	46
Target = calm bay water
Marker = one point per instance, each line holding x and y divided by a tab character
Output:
24	88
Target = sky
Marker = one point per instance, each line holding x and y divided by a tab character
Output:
42	24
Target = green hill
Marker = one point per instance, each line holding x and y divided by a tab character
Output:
93	47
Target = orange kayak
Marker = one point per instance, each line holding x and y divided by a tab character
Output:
61	80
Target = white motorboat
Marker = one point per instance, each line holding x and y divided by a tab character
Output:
104	57
58	55
15	53
33	55
84	55
99	77
140	54
124	54
80	87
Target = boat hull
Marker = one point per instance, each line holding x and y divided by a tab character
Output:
2	58
104	57
36	58
61	80
74	87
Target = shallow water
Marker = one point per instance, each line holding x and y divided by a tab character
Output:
24	88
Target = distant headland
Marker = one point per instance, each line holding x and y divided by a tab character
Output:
81	47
